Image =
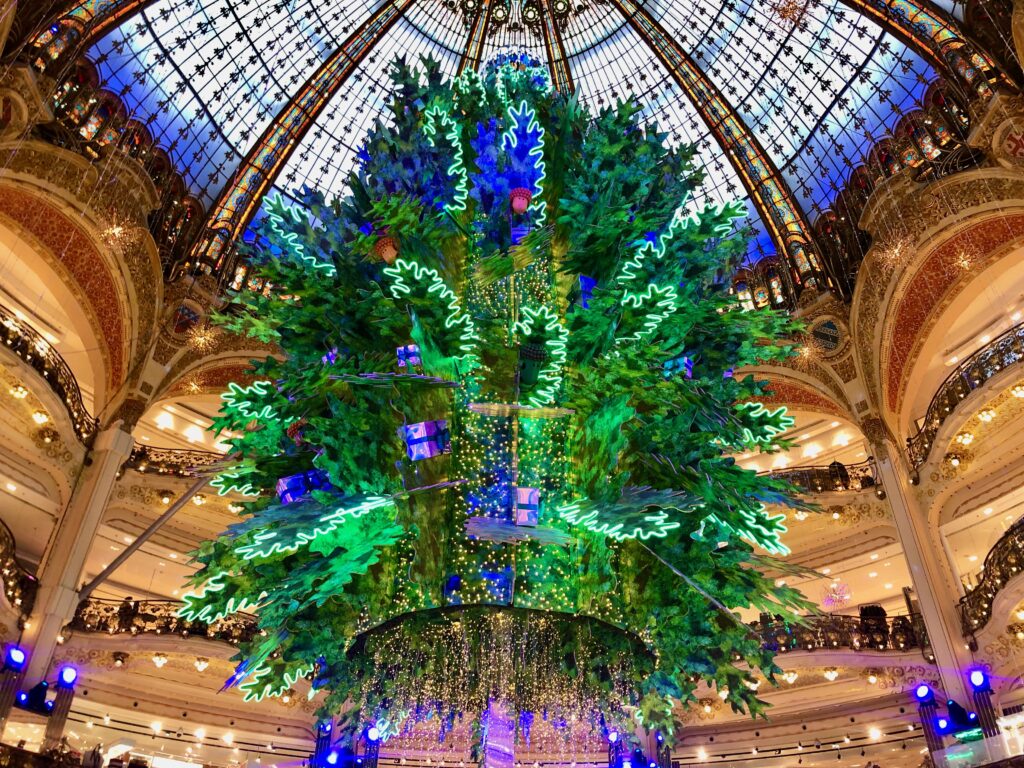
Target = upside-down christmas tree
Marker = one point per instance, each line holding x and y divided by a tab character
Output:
491	470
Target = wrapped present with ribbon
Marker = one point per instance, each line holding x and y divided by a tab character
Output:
426	439
294	487
527	506
409	356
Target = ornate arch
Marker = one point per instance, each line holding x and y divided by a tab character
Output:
69	251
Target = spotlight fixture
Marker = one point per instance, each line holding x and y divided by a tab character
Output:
978	680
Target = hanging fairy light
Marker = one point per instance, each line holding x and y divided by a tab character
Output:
202	337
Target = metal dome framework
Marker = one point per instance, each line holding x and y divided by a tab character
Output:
786	102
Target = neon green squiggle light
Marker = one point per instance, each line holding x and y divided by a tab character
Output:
228	482
663	302
558	336
241	398
456	318
290	677
754	531
290	240
527	116
458	168
659	523
267	543
193	610
769	431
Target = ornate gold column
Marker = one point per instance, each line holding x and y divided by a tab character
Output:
64	560
930	572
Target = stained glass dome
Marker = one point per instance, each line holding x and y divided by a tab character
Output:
813	84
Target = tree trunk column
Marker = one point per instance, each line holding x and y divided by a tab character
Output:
930	574
64	560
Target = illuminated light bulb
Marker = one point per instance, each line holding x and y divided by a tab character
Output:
228	738
156	726
194	434
199	499
159	660
965	438
1018	390
164	420
874	733
702	753
872	678
19	392
831	674
790	677
40	417
723	694
200	734
201	663
987	415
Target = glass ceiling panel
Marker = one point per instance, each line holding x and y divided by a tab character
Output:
209	75
326	156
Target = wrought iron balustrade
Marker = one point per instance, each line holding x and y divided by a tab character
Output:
30	346
20	586
832	632
158	617
171	461
1004	561
1003	351
833	478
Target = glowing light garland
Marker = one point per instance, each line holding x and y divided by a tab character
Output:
757	410
265	544
456	318
241	398
458	168
551	373
591	520
193	610
665	301
526	115
291	239
228	482
254	693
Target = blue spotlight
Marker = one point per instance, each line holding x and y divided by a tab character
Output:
923	692
943	724
325	727
613	736
372	733
16	658
332	758
22	697
979	680
68	676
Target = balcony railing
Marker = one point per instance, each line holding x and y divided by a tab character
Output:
831	632
1003	351
834	478
1003	562
20	586
171	461
30	346
158	617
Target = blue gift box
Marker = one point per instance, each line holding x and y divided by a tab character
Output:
409	356
294	487
426	439
527	506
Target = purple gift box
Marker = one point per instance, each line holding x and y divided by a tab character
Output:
294	487
426	439
409	355
527	506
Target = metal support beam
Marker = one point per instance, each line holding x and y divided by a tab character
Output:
142	538
923	27
240	199
555	47
769	192
472	56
